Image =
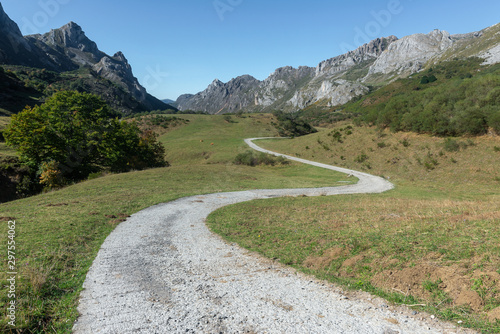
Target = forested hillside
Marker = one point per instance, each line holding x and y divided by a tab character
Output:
458	97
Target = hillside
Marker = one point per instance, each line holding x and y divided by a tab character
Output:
432	242
29	86
64	51
338	80
455	97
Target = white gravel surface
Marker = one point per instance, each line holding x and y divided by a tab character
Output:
163	271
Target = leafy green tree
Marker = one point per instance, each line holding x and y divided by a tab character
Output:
291	125
80	134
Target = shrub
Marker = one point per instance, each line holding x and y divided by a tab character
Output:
430	162
249	158
424	80
451	145
405	142
361	158
336	136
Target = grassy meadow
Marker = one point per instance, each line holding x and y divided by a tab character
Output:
434	240
59	233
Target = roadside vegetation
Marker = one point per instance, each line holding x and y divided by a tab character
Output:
59	233
433	241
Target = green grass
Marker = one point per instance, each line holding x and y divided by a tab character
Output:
438	224
58	234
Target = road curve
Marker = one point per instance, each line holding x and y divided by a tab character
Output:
163	271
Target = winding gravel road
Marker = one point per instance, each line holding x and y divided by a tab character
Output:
163	271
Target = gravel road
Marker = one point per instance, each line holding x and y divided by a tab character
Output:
163	271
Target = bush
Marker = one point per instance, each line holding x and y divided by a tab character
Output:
428	79
361	158
16	180
405	142
451	145
249	158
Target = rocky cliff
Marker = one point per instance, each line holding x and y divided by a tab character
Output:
409	54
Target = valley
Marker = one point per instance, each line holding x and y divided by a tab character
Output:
419	114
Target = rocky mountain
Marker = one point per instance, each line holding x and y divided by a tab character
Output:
222	97
69	49
409	54
291	88
340	79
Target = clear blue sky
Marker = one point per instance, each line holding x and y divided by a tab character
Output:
181	46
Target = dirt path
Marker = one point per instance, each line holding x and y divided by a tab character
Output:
163	271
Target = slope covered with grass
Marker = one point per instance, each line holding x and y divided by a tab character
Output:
434	240
58	234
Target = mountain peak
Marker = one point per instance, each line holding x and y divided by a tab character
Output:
216	83
72	26
72	36
120	57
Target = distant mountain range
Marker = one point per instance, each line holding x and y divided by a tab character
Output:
68	49
338	80
77	63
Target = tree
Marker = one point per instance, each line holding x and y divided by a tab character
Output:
290	125
75	134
